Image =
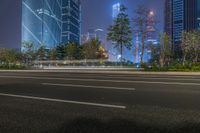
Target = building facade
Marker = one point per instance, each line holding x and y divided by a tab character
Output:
181	15
71	22
50	22
168	17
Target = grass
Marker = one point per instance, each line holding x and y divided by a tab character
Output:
174	69
12	67
28	116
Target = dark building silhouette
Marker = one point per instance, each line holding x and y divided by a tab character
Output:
168	17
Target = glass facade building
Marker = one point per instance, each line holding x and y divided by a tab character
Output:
178	19
50	22
71	21
181	15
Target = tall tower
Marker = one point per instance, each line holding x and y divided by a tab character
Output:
71	21
50	22
41	22
115	10
151	27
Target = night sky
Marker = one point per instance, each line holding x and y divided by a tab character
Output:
95	14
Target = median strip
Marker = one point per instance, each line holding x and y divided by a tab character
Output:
64	101
88	86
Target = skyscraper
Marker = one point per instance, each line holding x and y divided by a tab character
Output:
181	15
50	22
116	10
151	28
71	14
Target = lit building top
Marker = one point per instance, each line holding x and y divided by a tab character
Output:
116	10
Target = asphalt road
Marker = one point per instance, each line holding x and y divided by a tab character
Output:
98	102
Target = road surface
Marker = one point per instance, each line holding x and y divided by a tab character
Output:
98	102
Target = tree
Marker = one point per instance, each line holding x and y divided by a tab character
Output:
120	32
80	53
140	26
60	49
165	49
9	56
190	46
90	48
41	53
196	45
71	50
28	52
102	53
2	55
52	53
185	45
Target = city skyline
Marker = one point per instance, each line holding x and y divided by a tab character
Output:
103	9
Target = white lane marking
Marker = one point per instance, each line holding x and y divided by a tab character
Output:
154	76
159	78
64	101
101	80
89	86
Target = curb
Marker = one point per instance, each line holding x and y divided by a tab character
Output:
107	71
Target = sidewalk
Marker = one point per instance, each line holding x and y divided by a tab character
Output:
111	70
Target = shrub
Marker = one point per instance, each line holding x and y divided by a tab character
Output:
12	66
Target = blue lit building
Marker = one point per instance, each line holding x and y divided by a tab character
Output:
115	10
181	15
50	22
